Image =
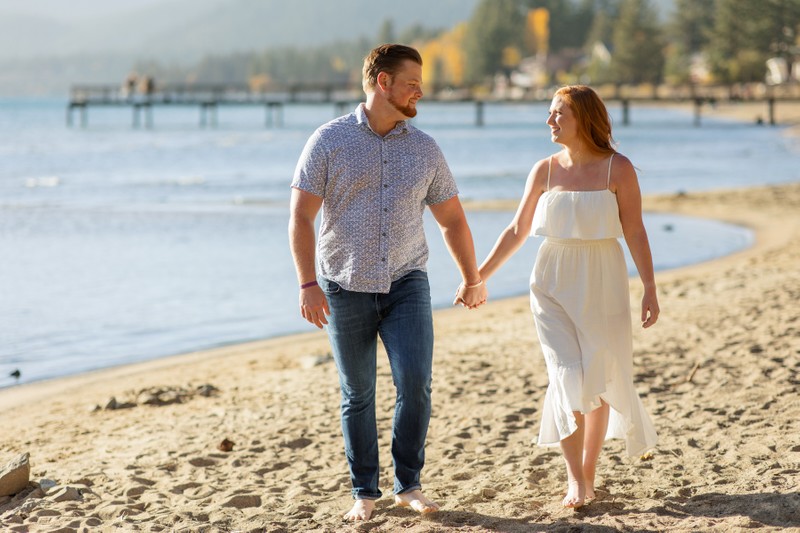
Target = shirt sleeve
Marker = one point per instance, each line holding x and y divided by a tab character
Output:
443	186
311	173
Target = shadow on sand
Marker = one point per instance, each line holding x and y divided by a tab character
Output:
770	509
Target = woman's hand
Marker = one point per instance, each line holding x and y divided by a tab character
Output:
650	309
471	296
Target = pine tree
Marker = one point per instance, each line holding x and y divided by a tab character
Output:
495	26
637	54
689	32
386	33
748	32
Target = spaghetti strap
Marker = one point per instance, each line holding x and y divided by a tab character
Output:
549	166
608	178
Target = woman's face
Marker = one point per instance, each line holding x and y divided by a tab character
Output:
563	126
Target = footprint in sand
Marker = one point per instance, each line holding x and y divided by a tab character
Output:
135	491
199	493
243	501
179	489
272	468
298	443
143	481
202	462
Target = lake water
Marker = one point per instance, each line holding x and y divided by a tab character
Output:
119	245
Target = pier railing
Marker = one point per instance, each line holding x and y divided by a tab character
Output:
177	94
209	97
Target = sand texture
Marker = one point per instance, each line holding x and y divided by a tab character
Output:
140	448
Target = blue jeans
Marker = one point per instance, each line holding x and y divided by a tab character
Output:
403	320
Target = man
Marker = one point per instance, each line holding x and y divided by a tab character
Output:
372	174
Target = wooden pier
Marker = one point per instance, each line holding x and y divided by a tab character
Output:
209	98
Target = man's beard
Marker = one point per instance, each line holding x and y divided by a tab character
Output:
408	111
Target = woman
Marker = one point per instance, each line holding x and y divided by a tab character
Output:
582	199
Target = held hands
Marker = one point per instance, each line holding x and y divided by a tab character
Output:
314	305
471	296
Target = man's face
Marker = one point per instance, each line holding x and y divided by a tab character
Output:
405	88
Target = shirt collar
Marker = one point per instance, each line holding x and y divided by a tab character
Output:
361	118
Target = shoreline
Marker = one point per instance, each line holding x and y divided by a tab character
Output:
718	374
507	288
657	203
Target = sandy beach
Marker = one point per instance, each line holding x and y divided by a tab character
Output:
785	113
247	437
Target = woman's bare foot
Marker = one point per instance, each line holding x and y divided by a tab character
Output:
417	501
588	483
576	495
362	510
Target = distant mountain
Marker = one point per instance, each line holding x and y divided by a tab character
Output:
45	45
184	30
23	35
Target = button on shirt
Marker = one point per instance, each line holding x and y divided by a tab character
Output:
374	192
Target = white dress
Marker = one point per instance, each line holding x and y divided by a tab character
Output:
581	305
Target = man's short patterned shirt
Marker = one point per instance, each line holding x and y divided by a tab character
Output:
374	192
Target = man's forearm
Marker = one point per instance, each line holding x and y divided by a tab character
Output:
462	249
303	247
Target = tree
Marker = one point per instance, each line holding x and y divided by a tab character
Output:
495	26
569	21
748	32
537	31
386	33
602	24
443	58
637	54
417	33
689	32
597	43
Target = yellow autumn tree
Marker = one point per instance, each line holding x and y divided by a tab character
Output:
537	31
443	58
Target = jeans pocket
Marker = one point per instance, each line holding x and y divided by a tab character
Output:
329	287
416	275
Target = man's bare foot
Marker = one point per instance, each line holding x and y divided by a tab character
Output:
417	501
576	495
362	510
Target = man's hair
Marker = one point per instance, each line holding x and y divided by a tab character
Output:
594	124
386	58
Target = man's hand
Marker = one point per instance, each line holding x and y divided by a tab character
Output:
314	305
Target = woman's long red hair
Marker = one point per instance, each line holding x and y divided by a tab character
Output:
594	124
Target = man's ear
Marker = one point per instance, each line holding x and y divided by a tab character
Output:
384	80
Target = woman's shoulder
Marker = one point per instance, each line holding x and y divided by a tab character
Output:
547	162
623	173
622	166
621	160
541	169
